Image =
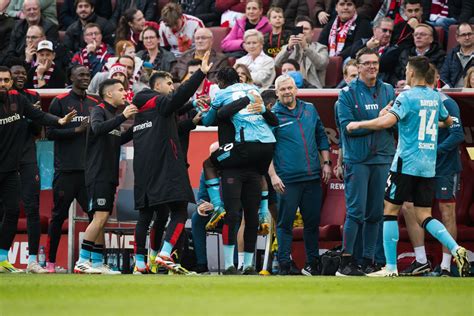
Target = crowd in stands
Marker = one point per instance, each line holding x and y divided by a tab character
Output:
262	35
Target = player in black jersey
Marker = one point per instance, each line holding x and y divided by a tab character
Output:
69	146
14	109
104	139
29	173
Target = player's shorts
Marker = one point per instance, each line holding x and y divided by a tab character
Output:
101	196
403	188
447	187
243	155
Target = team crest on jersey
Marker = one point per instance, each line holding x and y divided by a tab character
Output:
101	202
397	103
13	107
70	107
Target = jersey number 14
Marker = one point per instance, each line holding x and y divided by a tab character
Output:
427	128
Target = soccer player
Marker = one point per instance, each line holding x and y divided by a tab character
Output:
29	173
244	156
161	176
14	109
69	144
411	178
101	171
367	155
448	167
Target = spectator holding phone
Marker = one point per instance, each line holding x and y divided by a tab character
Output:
312	56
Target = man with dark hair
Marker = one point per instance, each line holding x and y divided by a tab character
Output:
32	12
411	178
161	177
312	56
96	54
74	38
69	145
448	168
102	172
14	109
460	58
367	156
402	35
29	173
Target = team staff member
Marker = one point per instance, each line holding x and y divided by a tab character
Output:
101	171
414	165
367	156
296	173
69	144
14	109
448	167
161	176
29	173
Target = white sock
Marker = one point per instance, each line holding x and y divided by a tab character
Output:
241	260
446	262
420	254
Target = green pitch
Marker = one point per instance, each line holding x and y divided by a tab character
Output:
218	295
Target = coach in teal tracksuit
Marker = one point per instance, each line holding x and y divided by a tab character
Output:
297	172
367	156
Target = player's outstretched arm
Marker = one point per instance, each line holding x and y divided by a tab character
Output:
382	122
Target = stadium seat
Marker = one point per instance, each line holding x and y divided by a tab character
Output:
451	38
333	212
440	32
333	72
317	31
219	33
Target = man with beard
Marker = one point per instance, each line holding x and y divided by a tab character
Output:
161	176
13	109
69	144
29	173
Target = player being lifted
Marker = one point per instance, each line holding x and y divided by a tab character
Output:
411	178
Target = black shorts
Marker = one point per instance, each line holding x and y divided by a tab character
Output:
403	188
447	187
243	155
101	196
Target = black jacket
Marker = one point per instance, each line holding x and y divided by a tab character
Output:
402	35
461	10
161	174
202	9
69	144
435	54
148	7
292	9
103	145
74	38
6	27
57	80
14	109
18	36
360	29
452	69
32	130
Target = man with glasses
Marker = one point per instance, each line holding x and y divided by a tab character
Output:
367	156
203	40
96	53
460	58
383	29
425	45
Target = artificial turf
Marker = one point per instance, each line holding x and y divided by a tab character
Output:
237	295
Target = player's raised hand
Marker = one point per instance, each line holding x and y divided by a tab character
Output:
205	65
130	110
67	118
